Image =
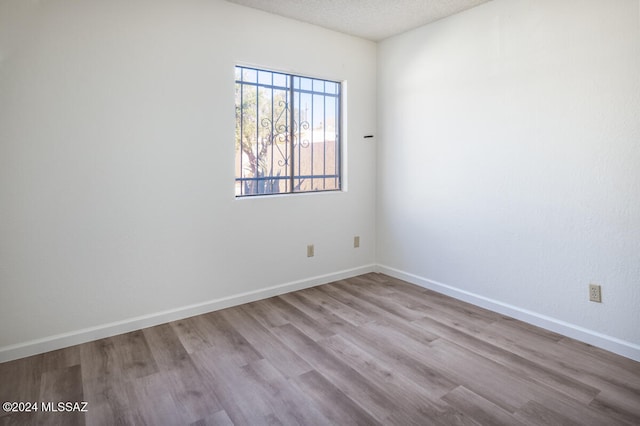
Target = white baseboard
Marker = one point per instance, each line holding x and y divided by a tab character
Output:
612	344
34	347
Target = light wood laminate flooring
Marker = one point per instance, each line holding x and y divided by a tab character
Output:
367	350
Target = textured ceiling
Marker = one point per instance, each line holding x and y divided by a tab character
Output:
370	19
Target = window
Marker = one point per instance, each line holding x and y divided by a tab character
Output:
287	133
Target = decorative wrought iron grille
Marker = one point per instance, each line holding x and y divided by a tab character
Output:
287	133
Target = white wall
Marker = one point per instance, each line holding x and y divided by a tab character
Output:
117	205
509	162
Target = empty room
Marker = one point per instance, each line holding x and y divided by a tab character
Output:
251	212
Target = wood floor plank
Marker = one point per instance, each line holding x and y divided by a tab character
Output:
530	329
402	359
20	381
482	376
524	367
108	401
219	418
104	384
152	402
193	333
360	390
450	417
365	307
241	400
293	315
99	359
328	304
461	319
61	358
361	351
618	403
283	358
322	316
194	399
368	283
414	336
381	300
134	354
263	313
374	312
482	410
229	343
292	406
61	385
412	399
526	341
631	366
533	414
335	404
426	297
166	348
584	415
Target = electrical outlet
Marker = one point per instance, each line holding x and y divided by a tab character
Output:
595	293
356	241
310	250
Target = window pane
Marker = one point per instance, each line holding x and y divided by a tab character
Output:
249	75
331	87
280	80
265	77
305	84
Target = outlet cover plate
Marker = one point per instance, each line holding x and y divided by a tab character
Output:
595	293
